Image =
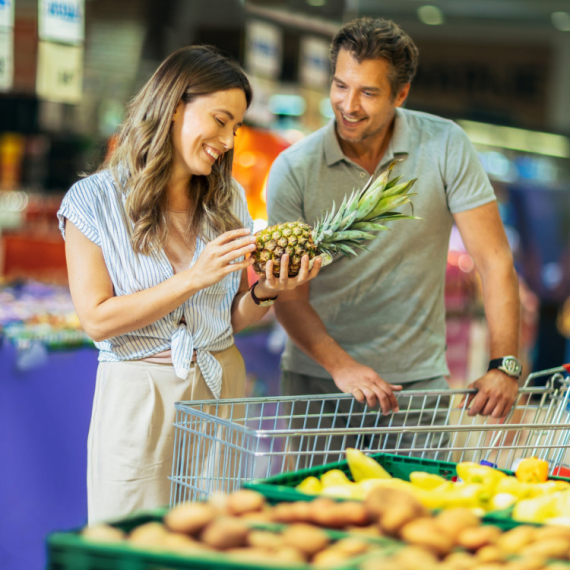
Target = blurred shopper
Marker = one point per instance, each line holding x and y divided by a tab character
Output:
157	245
375	324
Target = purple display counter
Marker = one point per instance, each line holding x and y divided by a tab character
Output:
45	408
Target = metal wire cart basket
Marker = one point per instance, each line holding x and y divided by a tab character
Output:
219	444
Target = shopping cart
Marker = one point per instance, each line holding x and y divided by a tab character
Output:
219	444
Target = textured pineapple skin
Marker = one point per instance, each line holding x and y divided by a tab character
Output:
294	238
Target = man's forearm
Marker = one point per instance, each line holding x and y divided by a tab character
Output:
502	309
307	331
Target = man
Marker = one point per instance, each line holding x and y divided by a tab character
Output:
375	324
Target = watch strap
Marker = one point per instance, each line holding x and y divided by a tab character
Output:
257	300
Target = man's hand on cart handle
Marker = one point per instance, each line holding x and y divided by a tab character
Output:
367	387
496	393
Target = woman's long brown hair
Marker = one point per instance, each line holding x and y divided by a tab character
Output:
141	163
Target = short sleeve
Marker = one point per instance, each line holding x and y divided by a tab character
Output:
284	193
467	183
240	207
79	207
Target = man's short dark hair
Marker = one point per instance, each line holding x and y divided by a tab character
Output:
369	38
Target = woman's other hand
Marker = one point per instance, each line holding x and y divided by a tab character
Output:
270	286
219	257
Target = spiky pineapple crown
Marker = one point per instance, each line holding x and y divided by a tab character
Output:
361	212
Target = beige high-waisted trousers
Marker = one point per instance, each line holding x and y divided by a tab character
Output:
131	436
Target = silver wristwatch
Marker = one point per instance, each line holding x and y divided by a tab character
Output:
510	365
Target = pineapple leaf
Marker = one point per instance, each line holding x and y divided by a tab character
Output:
392	182
368	226
351	235
346	249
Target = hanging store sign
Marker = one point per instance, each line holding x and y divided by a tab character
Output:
62	20
314	64
264	49
60	73
6	59
7	13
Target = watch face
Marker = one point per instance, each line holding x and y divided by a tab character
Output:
511	366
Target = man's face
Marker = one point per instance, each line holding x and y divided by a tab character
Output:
362	99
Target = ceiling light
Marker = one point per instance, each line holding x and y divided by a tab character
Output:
517	139
430	15
561	21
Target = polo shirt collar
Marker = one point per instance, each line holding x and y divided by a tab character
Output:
399	144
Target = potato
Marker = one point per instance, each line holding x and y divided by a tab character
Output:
547	548
307	538
290	554
527	563
245	501
459	561
328	513
477	537
352	513
302	511
453	521
225	532
182	543
264	539
283	513
414	557
251	554
490	553
381	499
424	532
370	530
489	566
396	516
352	545
513	540
380	564
219	500
329	558
148	535
190	518
553	532
264	516
103	533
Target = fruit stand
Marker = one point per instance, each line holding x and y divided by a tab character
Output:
496	500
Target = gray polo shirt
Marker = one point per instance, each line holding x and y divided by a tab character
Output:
386	306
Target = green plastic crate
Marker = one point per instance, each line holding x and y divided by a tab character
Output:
282	487
70	551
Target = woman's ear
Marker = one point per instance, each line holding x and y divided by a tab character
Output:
177	110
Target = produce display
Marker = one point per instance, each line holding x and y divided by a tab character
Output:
335	232
33	311
535	499
389	530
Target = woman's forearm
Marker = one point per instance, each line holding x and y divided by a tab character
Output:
245	312
126	313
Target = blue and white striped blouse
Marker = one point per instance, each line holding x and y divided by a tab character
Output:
97	208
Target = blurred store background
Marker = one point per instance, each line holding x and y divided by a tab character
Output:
500	68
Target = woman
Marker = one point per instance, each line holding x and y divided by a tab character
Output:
157	246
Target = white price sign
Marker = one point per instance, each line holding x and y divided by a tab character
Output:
60	73
6	59
7	13
314	65
62	20
263	49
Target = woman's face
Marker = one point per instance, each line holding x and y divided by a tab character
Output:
204	129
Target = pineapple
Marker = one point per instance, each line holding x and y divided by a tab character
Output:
338	232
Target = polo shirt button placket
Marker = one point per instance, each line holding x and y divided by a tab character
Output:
362	174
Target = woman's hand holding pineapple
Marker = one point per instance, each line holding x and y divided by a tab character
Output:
220	258
269	285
